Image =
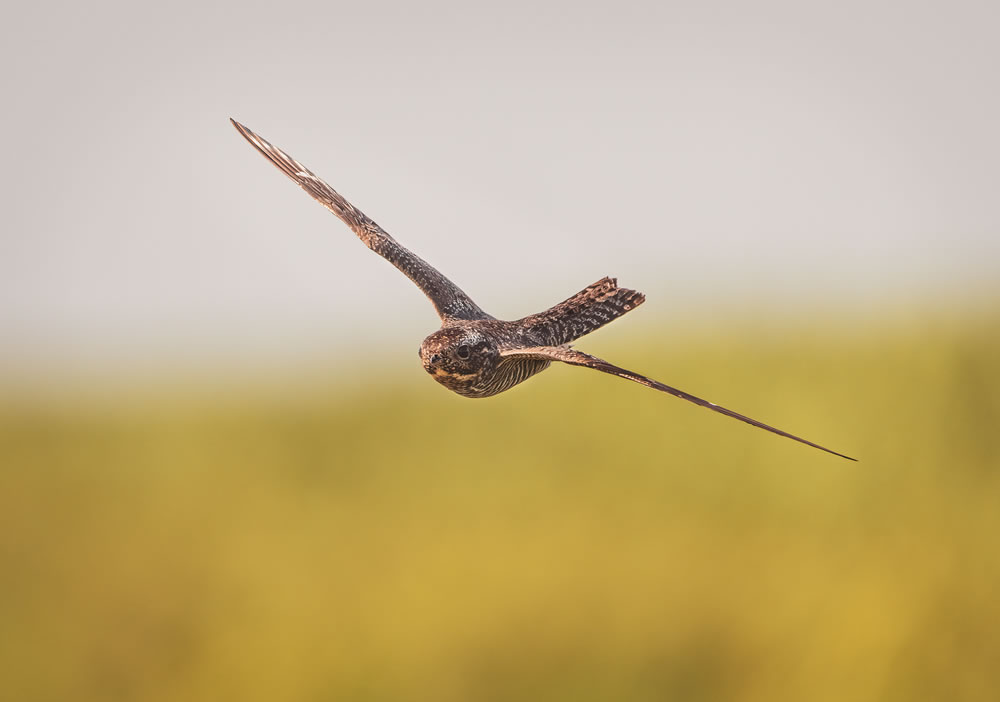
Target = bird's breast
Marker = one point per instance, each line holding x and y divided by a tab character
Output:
489	382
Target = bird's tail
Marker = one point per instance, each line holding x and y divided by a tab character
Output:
589	309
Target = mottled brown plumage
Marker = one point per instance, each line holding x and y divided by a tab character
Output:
474	354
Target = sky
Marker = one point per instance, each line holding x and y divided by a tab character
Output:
711	154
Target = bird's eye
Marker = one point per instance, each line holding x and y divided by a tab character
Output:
463	351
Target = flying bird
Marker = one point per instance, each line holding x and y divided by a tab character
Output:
473	353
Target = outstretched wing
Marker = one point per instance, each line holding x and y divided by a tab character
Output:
589	309
577	358
448	298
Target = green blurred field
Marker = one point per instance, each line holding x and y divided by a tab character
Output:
578	538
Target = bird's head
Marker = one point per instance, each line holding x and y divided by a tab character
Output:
459	358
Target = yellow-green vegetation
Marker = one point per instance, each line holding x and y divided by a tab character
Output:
578	538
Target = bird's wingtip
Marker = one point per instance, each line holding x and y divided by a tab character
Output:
239	127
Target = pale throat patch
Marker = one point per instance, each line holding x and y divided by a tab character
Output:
441	372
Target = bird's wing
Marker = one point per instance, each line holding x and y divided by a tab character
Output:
577	358
589	309
449	300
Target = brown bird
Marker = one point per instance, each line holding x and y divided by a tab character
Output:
473	353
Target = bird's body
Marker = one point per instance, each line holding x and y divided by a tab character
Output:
474	354
466	359
486	370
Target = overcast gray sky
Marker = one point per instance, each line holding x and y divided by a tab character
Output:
706	153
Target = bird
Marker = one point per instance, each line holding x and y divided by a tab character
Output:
473	353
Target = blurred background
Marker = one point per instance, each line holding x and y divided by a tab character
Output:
224	475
